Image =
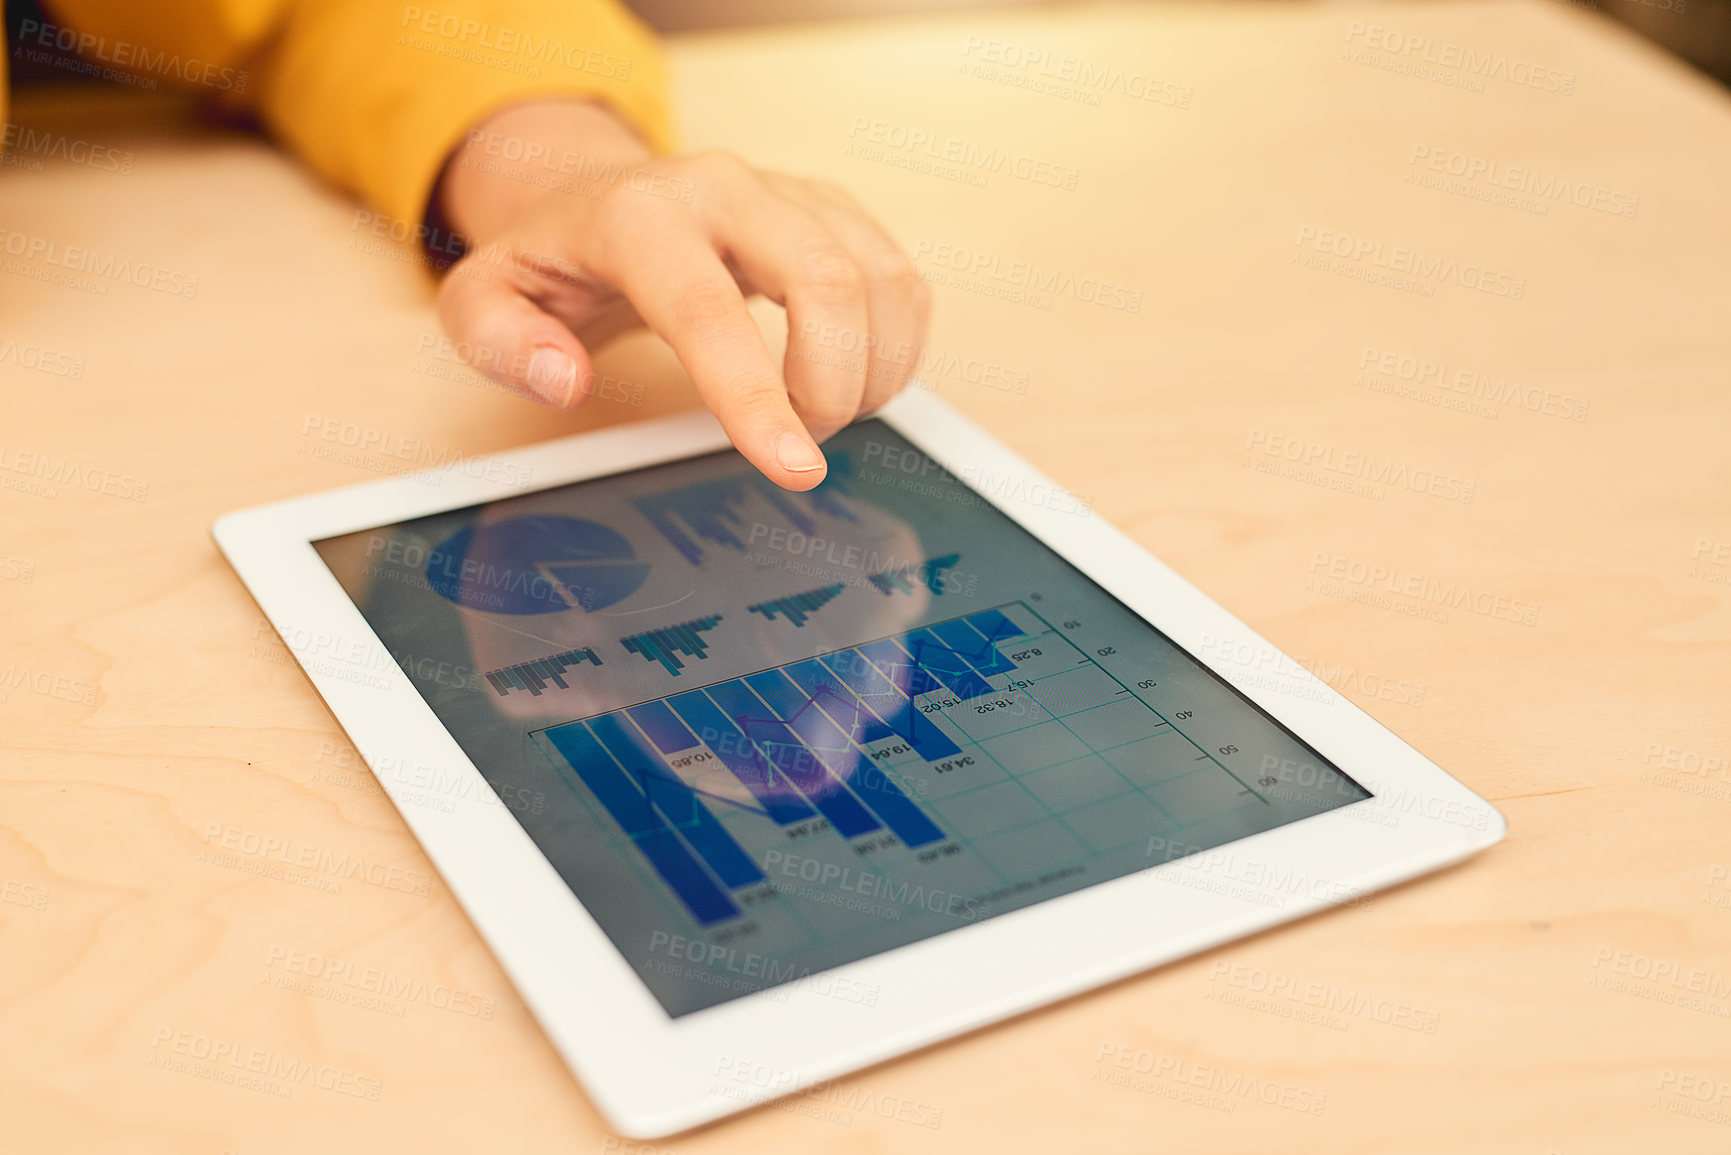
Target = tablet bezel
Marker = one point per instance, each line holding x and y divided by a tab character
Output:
653	1075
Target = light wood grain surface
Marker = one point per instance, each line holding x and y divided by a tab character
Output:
1568	991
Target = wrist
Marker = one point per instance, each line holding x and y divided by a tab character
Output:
517	159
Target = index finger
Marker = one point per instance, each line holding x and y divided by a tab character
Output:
684	292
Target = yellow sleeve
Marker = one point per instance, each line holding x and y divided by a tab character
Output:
375	94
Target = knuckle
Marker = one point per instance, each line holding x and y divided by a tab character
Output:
624	224
828	411
891	267
896	363
752	401
825	267
886	384
615	210
704	306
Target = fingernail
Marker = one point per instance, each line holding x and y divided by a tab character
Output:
797	454
553	376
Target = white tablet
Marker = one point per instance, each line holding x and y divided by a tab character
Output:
748	788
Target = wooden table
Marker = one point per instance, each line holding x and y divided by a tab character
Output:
1289	282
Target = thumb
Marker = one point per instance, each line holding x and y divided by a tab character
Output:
512	340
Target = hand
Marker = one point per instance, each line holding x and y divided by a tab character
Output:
576	232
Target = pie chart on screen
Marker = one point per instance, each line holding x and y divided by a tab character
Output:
541	564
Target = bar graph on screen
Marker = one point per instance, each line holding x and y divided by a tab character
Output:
666	644
533	676
904	580
891	745
796	608
712	511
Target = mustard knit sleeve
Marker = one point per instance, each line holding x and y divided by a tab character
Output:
374	94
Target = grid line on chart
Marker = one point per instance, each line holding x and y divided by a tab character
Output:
1224	768
800	739
1145	792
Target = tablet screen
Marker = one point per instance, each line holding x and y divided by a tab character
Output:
764	734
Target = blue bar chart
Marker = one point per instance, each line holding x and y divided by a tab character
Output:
710	511
666	644
902	580
534	676
655	837
796	739
796	608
